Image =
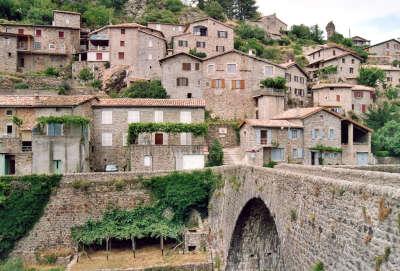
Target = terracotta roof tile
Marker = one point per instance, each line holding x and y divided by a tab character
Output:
298	113
43	101
130	102
272	123
342	85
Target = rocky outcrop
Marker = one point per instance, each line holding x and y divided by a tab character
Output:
114	79
135	8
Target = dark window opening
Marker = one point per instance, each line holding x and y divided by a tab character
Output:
26	146
200	30
191	248
159	139
9	112
9	164
9	129
189	95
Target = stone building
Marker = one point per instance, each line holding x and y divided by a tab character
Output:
384	52
29	148
309	136
40	46
360	41
207	35
151	152
345	65
130	45
169	30
297	79
273	26
392	74
343	98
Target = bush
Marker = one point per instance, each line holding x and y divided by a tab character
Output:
81	185
86	75
145	89
371	76
64	88
215	10
319	266
96	84
387	138
174	5
194	52
270	164
216	154
12	265
51	71
278	83
21	85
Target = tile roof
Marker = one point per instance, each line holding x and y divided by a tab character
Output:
298	113
336	57
271	123
395	40
343	85
178	54
329	46
290	64
43	100
384	67
131	102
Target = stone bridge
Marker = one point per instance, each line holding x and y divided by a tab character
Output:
287	218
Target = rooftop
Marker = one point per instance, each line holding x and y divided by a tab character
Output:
343	85
43	100
131	102
271	123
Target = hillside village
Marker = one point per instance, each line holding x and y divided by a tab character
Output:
261	111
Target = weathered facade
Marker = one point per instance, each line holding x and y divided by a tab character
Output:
273	26
296	78
169	30
29	148
151	152
384	53
360	41
208	36
42	46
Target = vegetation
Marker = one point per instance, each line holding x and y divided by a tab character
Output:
66	119
275	83
371	76
22	200
96	84
328	70
134	129
51	71
17	121
293	215
194	52
145	89
85	75
319	266
173	196
380	259
18	265
323	148
64	88
387	139
216	154
270	164
214	9
348	42
305	34
21	85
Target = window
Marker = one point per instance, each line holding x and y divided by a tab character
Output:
197	66
238	84
183	43
352	61
52	46
200	44
389	79
20	31
150	43
106	139
38	33
218	83
122	31
9	129
54	129
150	57
99	56
231	68
158	116
106	117
182	82
352	107
294	133
264	137
200	31
159	139
268	70
189	95
122	43
315	134
125	139
220	49
351	70
185	117
277	155
158	26
331	134
358	94
211	68
36	45
61	34
222	34
296	78
186	139
133	116
121	55
9	112
363	108
334	52
338	98
343	60
26	146
297	153
57	166
148	161
186	66
288	77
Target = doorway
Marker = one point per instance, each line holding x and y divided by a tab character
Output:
9	164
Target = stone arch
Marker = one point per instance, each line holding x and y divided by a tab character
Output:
255	244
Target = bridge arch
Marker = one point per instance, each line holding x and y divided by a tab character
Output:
255	243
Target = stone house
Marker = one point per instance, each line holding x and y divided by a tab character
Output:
346	66
308	136
8	52
392	74
384	53
297	79
273	26
360	41
343	98
41	46
151	152
29	148
130	45
207	35
169	30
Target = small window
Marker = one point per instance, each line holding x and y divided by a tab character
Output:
315	134
351	70
52	46
331	134
338	98
106	139
220	49
363	108
26	146
148	161
150	43
38	33
200	44
37	45
268	70
185	117
231	68
125	139
150	57
159	139
211	68
183	43
197	66
222	34
121	55
343	60
218	83
277	155
186	138
352	61
54	129
9	129
182	82
186	66
61	34
99	56
158	116
106	117
9	112
189	95
122	31
122	43
133	116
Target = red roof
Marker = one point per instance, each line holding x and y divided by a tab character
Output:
131	102
44	100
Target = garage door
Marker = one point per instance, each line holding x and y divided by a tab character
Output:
362	158
193	161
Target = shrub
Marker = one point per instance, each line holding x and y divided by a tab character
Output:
64	88
270	164
96	84
21	85
214	9
119	185
12	265
86	75
174	5
107	65
275	83
371	76
81	185
145	89
51	71
194	52
216	154
319	266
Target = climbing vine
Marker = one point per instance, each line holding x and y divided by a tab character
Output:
66	119
22	200
197	129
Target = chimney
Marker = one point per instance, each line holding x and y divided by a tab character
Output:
251	52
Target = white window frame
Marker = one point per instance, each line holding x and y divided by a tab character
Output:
106	117
186	139
133	116
125	139
231	64
209	67
158	116
185	117
12	129
265	70
52	46
331	136
150	43
148	161
106	139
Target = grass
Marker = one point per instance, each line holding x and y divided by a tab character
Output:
145	257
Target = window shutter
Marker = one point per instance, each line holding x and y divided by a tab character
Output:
133	116
290	134
269	136
242	84
106	117
185	117
158	116
213	83
222	83
233	84
258	136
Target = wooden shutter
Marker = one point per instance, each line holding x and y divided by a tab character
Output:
213	83
258	136
222	83
233	84
242	84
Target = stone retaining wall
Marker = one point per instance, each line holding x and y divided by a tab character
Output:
185	267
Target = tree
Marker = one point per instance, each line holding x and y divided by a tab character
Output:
97	16
216	154
173	5
378	116
388	138
145	89
215	10
300	31
246	9
371	76
316	34
194	52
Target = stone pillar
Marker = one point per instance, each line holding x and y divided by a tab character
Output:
350	144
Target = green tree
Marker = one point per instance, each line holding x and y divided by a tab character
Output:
316	34
246	9
300	32
371	76
319	266
215	10
97	16
378	116
247	31
388	138
145	89
159	15
174	5
85	75
216	154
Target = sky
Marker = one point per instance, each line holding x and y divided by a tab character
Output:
374	20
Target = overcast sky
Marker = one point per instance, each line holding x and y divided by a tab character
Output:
372	19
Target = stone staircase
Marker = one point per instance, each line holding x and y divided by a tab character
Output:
232	156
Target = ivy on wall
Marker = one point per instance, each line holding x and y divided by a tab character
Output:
323	148
197	129
22	201
66	119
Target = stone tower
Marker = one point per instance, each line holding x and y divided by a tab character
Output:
330	29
